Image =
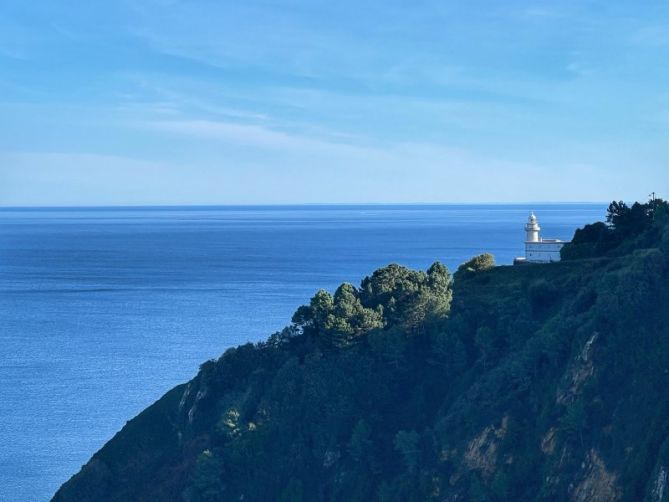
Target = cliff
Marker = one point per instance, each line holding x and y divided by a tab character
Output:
508	383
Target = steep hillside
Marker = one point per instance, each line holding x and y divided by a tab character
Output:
509	383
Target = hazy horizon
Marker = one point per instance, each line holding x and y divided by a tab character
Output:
308	204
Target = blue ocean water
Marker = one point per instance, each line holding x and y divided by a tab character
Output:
103	310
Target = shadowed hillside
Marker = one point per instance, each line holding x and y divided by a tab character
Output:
507	383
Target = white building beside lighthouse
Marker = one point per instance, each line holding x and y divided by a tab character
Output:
538	250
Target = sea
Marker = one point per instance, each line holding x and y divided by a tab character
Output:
103	310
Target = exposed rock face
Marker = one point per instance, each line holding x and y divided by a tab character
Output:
598	484
548	441
481	452
578	374
659	485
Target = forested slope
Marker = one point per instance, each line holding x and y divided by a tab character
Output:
507	383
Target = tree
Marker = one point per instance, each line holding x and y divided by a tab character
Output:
406	296
390	287
392	296
348	318
626	220
339	319
478	263
627	228
592	240
314	315
616	213
440	287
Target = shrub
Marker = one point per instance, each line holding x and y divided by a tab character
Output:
479	263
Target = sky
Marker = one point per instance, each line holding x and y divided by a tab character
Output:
132	102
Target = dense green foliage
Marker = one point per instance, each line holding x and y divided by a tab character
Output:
392	296
626	228
509	383
477	264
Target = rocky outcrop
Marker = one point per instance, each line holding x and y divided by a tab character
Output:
659	485
481	451
597	484
578	373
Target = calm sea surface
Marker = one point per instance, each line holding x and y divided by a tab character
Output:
104	310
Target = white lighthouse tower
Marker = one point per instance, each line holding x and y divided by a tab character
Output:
538	250
532	229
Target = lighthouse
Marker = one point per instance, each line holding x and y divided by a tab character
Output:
532	228
537	249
